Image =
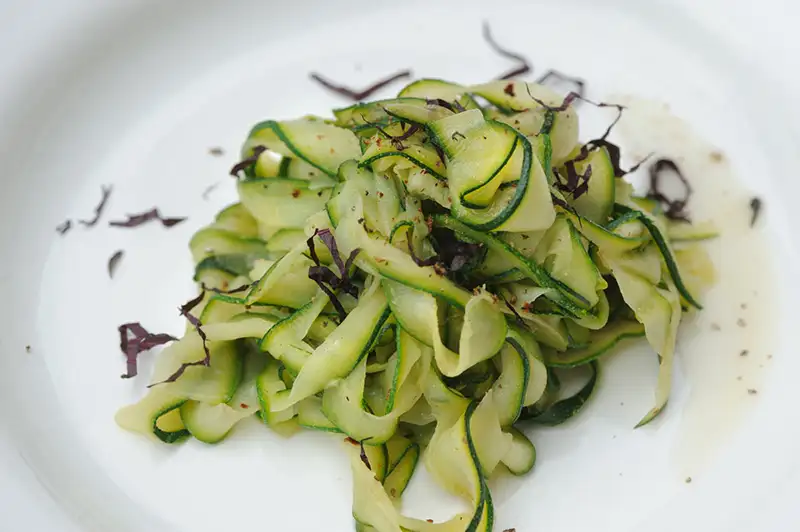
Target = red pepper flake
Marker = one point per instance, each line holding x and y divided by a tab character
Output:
429	223
351	441
439	269
380	194
509	89
244	405
429	520
526	306
295	193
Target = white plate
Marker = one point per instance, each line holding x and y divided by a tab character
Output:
135	92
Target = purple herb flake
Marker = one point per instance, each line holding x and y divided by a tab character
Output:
396	140
236	290
516	314
208	190
560	76
185	310
141	341
362	94
135	220
65	226
674	209
755	210
418	261
325	278
247	162
568	99
113	262
363	456
98	211
524	66
441	103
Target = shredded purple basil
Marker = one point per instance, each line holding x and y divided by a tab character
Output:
187	307
327	238
524	66
575	184
563	204
325	278
236	290
568	99
614	152
755	210
315	273
445	104
364	456
418	261
208	190
555	74
248	162
135	220
63	227
458	255
452	254
396	140
440	152
135	339
185	310
674	209
113	262
356	95
98	211
516	314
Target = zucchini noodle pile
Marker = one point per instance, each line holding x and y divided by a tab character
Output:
419	274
